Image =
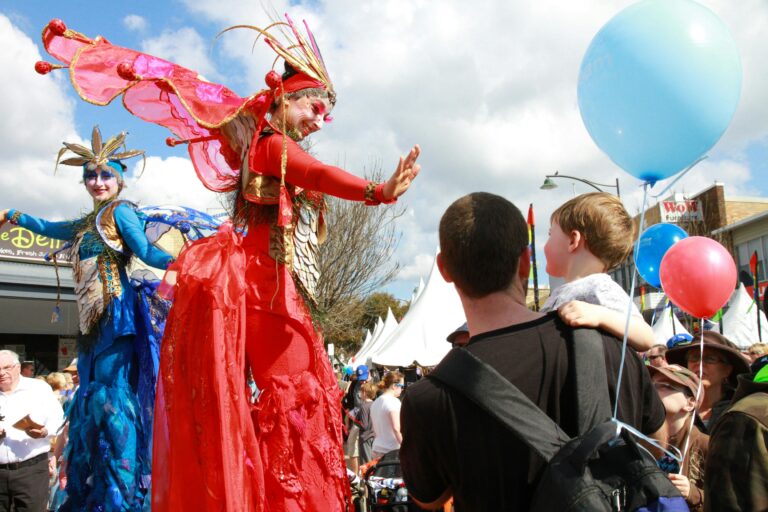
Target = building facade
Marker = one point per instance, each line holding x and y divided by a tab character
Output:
740	224
29	294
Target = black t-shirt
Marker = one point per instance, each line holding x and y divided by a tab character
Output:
449	442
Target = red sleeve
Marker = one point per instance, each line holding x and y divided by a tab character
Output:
305	171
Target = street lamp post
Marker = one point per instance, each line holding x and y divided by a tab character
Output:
549	184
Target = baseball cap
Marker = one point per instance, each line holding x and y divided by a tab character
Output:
362	372
679	339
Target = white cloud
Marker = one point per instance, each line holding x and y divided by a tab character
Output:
135	23
419	268
488	88
184	47
37	117
168	181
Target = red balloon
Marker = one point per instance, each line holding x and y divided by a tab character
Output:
698	275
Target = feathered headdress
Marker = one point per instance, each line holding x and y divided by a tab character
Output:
101	155
300	52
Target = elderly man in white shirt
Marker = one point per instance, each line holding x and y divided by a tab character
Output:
31	416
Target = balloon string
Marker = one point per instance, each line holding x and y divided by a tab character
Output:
670	450
629	306
679	176
698	394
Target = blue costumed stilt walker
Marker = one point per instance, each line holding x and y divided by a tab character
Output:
107	461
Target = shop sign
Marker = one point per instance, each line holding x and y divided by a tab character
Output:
67	352
18	243
681	211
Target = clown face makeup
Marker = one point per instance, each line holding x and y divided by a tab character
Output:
304	115
101	182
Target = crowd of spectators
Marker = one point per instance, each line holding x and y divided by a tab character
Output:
705	405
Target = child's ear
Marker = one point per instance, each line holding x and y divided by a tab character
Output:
690	405
575	238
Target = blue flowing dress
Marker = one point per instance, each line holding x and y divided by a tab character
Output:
109	450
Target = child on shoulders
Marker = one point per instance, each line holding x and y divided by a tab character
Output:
589	235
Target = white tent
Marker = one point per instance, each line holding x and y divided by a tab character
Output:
387	328
740	320
357	360
666	326
366	341
417	292
420	337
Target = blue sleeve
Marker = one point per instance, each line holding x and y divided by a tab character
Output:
132	230
62	230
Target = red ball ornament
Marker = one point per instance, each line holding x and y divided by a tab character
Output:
170	141
126	72
43	67
273	80
57	27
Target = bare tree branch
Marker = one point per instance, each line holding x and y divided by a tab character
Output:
355	261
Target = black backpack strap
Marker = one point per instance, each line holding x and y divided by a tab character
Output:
593	405
486	387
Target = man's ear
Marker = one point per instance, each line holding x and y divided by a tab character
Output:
441	267
524	265
575	239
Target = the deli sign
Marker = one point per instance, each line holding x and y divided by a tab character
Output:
681	211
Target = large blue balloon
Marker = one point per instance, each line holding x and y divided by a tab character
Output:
659	85
651	247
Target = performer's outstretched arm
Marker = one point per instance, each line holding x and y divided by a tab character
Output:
305	171
61	230
132	230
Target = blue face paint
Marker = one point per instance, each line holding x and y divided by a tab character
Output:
109	170
92	175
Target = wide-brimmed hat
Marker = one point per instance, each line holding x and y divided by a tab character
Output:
679	375
712	340
72	368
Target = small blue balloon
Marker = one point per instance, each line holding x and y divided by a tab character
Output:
651	247
659	85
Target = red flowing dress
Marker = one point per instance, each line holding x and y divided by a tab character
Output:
241	301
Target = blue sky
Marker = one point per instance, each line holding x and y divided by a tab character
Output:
487	88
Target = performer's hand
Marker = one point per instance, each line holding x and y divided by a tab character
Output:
37	433
3	217
406	172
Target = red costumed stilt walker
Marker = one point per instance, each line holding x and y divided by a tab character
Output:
242	300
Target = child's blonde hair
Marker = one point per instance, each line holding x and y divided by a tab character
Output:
601	219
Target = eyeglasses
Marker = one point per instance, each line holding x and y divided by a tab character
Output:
7	369
399	385
93	175
695	357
